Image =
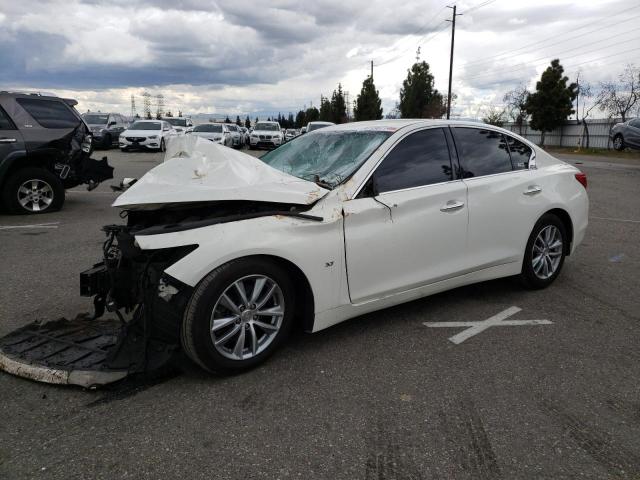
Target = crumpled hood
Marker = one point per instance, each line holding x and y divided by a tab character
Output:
197	170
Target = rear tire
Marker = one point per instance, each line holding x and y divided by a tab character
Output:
33	190
162	145
201	338
545	252
618	142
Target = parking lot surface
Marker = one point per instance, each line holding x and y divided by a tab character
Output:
382	396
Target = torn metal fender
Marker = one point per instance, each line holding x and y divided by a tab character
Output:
197	170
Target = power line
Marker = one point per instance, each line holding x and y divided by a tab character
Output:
596	59
599	41
545	58
599	21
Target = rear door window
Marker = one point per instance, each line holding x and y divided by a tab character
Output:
49	113
481	152
520	153
420	159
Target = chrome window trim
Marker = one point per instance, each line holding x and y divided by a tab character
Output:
419	187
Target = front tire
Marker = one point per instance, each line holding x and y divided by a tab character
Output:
238	315
162	146
618	143
33	191
545	252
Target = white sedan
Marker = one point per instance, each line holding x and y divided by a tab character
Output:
147	134
214	132
338	222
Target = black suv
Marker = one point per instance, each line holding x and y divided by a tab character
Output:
45	147
105	128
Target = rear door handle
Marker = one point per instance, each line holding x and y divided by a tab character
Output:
532	190
452	205
7	140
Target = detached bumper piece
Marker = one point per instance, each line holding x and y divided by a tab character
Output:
83	352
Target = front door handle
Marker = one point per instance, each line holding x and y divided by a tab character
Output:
452	205
532	190
7	140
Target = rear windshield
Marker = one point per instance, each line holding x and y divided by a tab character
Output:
49	113
95	119
177	122
145	126
208	128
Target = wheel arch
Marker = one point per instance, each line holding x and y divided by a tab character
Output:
305	307
565	218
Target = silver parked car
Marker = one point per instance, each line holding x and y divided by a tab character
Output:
626	134
236	135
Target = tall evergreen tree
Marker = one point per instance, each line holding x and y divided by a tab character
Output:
290	121
238	121
418	97
368	104
338	106
325	109
257	119
301	119
247	122
227	120
552	102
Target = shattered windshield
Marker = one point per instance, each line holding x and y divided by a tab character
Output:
326	157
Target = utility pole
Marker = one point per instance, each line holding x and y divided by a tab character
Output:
578	98
371	69
453	35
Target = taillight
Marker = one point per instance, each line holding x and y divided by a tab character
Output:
582	178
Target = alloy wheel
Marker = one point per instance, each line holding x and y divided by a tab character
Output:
247	317
547	252
617	143
35	195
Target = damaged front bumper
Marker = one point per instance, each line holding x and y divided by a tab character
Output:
142	309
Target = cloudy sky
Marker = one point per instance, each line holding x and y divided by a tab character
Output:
239	57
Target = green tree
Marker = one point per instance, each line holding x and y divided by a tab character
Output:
238	121
168	114
368	104
494	116
290	121
338	106
227	120
247	122
552	102
301	119
311	115
325	109
418	96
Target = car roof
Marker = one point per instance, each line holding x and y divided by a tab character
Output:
397	124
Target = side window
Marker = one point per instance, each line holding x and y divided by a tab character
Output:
520	153
49	113
5	121
481	152
635	123
420	159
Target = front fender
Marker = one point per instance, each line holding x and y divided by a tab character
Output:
317	248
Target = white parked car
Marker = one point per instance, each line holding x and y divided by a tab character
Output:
290	134
334	224
215	132
266	135
236	135
147	134
180	124
311	126
245	135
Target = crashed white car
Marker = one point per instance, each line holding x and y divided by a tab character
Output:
224	253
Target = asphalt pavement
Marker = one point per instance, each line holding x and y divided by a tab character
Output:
381	396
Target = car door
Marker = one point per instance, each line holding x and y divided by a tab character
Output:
408	226
632	135
11	141
504	196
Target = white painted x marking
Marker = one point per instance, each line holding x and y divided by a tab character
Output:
474	328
